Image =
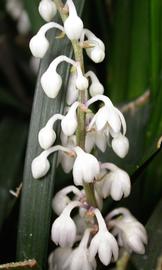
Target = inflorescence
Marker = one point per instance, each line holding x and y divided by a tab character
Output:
87	233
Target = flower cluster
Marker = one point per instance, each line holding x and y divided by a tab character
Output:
83	235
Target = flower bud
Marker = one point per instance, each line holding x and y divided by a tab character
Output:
73	25
46	137
69	123
72	92
51	83
97	52
40	166
96	88
39	45
120	145
47	9
81	81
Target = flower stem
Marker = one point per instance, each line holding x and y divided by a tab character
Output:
81	130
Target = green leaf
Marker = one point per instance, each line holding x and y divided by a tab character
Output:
120	50
35	212
154	248
34	16
12	144
139	59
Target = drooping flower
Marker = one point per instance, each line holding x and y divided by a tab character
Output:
66	160
64	229
86	167
115	183
103	242
79	258
130	232
107	115
61	200
58	258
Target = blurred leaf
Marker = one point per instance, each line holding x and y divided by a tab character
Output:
139	59
35	213
32	10
7	99
12	144
120	50
154	248
155	33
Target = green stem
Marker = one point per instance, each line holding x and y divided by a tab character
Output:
81	132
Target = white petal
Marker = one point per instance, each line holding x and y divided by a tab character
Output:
101	141
47	9
120	145
39	45
51	83
77	172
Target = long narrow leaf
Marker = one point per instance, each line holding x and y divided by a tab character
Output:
35	214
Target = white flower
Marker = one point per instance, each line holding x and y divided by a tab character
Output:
107	115
65	160
86	167
115	183
131	233
69	122
81	81
61	200
97	52
64	229
47	135
58	257
39	43
40	165
103	242
72	92
79	258
51	81
96	88
73	25
89	141
120	145
47	9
